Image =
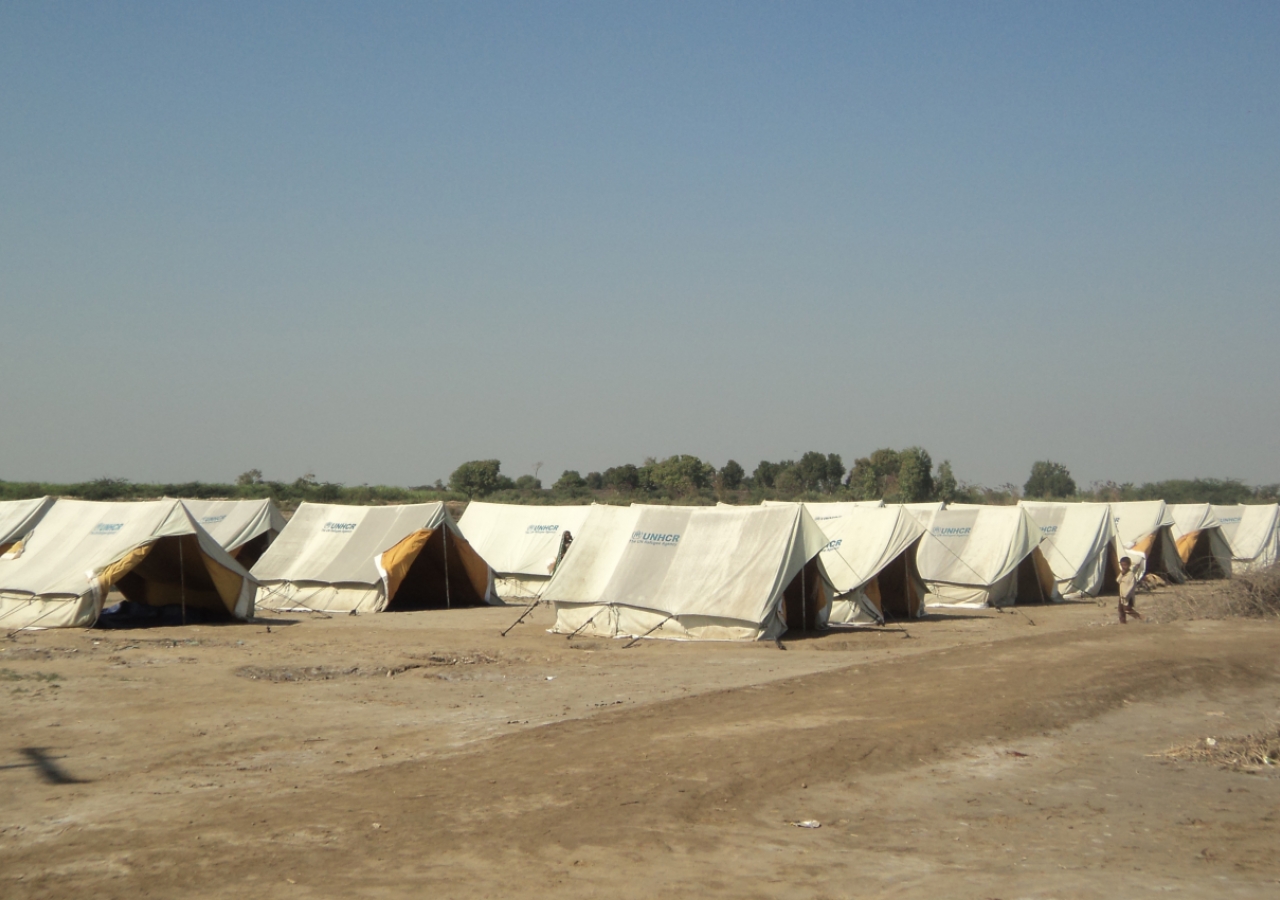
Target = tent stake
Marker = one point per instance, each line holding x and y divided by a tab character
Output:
528	610
649	632
570	635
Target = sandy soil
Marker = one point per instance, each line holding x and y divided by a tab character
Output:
982	754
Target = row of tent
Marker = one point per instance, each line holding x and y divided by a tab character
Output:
723	572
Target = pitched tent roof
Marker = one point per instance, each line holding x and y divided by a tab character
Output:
870	559
521	543
1080	545
692	573
1202	547
1147	527
244	528
975	556
155	553
1253	531
367	558
17	518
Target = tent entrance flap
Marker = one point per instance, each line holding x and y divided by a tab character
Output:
804	598
1111	572
434	568
251	550
896	582
1198	558
1029	589
173	571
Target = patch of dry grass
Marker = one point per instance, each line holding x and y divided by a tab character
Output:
1255	595
1251	753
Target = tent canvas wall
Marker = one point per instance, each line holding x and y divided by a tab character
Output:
692	573
370	558
1253	532
870	557
244	528
154	553
1080	545
1202	547
1146	526
17	518
976	556
521	543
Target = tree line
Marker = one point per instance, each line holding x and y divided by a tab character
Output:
895	476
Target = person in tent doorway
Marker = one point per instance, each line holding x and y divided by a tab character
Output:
565	540
1128	588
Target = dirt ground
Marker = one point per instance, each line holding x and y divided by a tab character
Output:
973	754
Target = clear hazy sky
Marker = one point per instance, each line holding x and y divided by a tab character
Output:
374	240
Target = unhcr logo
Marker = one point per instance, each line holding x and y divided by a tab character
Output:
542	529
339	527
211	520
951	532
826	518
107	527
1048	529
833	545
1231	520
650	537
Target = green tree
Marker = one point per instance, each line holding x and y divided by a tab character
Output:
476	478
817	472
624	479
1049	479
595	481
945	487
528	483
680	475
915	475
731	475
570	481
874	476
765	473
253	476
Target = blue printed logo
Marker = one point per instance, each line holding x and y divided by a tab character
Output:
211	520
833	545
542	529
1048	529
107	527
650	537
952	532
1231	520
339	527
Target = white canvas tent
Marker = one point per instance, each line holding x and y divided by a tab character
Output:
870	559
1146	526
1253	532
692	573
976	556
1080	546
370	558
244	528
922	511
1202	547
521	543
17	518
154	553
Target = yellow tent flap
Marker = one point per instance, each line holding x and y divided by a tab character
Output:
872	590
1044	573
1186	544
121	567
397	561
